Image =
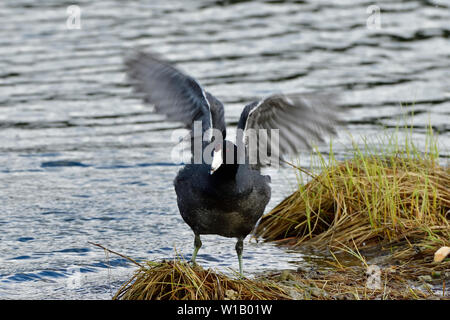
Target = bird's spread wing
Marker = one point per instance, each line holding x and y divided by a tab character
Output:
172	93
301	120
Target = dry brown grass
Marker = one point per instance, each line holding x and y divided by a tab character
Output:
353	283
178	280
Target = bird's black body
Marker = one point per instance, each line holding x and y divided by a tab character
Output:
224	204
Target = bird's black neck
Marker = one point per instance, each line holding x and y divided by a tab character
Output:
226	172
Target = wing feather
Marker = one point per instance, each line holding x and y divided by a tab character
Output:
301	119
174	94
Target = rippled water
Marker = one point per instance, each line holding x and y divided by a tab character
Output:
81	159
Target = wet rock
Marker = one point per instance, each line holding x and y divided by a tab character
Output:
230	294
316	292
343	296
286	275
295	294
425	278
302	269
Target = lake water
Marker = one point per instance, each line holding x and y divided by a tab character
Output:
82	159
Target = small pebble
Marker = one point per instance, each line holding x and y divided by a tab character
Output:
441	254
316	292
286	275
425	278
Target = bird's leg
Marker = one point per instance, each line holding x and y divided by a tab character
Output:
197	245
239	249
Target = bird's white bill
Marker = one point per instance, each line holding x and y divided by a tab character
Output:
217	161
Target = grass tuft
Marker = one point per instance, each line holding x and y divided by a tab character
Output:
179	280
397	198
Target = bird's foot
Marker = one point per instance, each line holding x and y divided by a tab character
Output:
193	263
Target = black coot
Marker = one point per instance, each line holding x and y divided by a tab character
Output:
227	195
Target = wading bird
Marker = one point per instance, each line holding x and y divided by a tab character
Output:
221	197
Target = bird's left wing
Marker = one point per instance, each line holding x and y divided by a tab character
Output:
300	119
